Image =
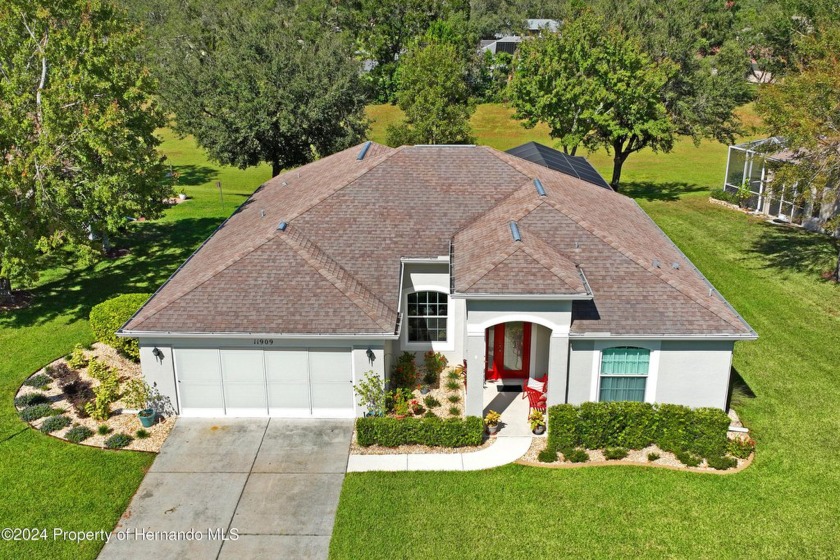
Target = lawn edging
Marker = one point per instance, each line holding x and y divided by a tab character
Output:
622	463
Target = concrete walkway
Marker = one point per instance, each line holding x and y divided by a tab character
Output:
505	450
272	486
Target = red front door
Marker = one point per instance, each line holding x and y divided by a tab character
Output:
508	350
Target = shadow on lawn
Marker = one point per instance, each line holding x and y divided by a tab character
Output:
789	248
157	249
648	190
192	175
739	391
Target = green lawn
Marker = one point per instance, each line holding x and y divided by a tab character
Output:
48	483
785	504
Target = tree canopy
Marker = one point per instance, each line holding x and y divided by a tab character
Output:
434	95
254	81
594	86
804	108
77	122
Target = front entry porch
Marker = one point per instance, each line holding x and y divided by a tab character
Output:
511	405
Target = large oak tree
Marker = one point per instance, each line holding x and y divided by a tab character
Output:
77	119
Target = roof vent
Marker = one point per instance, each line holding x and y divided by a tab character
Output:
540	188
262	213
675	265
284	183
363	151
283	225
514	231
656	263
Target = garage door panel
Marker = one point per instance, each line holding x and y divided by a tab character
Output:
244	382
329	366
332	395
200	382
287	366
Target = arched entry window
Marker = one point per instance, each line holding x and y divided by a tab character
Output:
427	316
624	373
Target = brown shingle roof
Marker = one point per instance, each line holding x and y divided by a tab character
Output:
335	269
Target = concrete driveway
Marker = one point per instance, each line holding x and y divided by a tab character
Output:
238	488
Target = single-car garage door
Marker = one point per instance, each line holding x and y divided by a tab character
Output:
294	382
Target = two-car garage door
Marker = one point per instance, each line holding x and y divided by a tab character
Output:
313	382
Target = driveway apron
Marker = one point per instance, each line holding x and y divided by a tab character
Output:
238	488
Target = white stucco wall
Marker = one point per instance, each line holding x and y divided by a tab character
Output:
422	277
692	373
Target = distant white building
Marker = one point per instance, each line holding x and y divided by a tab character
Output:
509	43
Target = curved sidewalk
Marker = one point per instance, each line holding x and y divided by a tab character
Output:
506	449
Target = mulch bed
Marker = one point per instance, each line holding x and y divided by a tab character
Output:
635	457
20	299
119	421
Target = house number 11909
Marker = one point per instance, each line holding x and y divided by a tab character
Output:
263	341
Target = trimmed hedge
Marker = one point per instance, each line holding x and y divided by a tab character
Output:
635	425
107	317
434	432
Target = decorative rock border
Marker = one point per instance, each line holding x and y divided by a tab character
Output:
121	420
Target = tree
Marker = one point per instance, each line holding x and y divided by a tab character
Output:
255	81
805	109
434	95
384	29
594	86
77	122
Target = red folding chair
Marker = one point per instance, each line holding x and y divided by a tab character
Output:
536	401
526	391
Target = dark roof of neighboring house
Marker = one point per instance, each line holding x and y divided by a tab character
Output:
335	267
575	166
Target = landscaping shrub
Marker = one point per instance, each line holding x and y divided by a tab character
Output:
142	434
721	194
688	459
634	425
430	401
741	448
105	393
430	414
54	423
454	411
454	399
615	453
722	463
118	441
453	385
62	373
78	434
79	393
434	363
431	431
103	430
30	399
99	370
77	359
576	456
653	457
36	411
107	317
39	381
404	374
454	375
547	455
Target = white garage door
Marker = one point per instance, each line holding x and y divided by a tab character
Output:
313	382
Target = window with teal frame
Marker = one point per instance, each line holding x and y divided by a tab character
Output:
624	372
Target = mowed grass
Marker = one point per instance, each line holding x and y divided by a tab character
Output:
47	483
785	505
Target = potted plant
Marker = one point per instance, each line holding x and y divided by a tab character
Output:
136	395
424	389
182	194
492	421
371	393
537	420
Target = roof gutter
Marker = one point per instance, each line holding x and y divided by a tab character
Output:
608	336
174	334
526	297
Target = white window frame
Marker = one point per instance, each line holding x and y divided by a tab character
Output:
436	345
655	348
